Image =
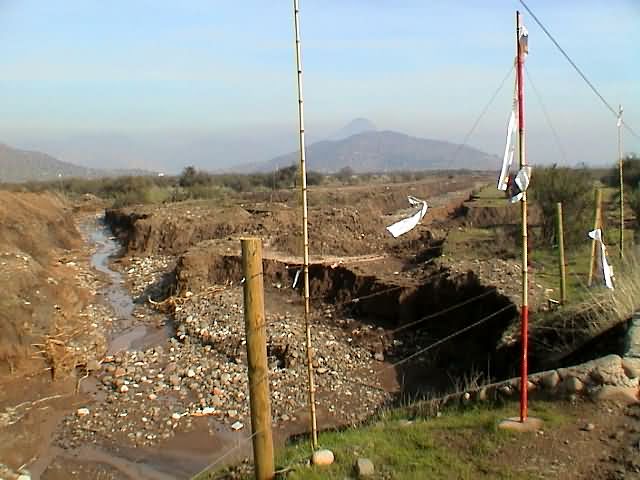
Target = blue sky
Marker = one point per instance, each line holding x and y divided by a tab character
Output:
141	69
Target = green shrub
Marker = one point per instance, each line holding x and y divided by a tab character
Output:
574	188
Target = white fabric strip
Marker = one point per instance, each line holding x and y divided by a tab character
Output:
607	270
407	224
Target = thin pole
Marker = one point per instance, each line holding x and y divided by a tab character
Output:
305	231
562	264
255	328
596	224
620	160
524	379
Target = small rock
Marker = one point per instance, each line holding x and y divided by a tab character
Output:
124	389
191	373
322	457
237	426
550	379
573	385
93	365
589	427
120	372
176	416
379	356
364	467
174	380
82	412
152	396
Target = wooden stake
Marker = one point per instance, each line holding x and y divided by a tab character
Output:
597	223
562	264
524	378
256	330
620	161
305	231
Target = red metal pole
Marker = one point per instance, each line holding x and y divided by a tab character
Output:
524	379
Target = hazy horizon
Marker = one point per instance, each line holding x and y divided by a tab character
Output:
159	85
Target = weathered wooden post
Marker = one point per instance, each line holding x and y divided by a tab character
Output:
256	331
563	265
597	223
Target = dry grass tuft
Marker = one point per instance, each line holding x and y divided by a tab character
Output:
566	330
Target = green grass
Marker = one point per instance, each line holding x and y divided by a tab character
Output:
490	196
459	444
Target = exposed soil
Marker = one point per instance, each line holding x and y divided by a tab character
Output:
164	385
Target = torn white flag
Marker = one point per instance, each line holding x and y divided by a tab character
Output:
509	150
521	183
606	269
407	224
524	40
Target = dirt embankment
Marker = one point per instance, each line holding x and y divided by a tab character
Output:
348	221
37	232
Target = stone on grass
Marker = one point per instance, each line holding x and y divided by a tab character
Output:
322	457
364	467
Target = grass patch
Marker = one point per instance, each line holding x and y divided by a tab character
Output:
461	444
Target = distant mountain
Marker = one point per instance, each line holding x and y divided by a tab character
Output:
377	151
26	165
354	127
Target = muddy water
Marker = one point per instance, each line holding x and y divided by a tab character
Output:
129	336
181	456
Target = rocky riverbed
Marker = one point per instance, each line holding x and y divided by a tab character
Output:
187	371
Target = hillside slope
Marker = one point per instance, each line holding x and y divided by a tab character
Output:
26	165
386	151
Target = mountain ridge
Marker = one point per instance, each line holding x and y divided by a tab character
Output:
385	150
18	166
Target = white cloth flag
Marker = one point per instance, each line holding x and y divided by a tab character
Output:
524	40
522	182
509	150
407	224
607	270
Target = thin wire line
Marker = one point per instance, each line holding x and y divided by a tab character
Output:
577	69
482	114
449	337
446	310
393	365
225	455
547	116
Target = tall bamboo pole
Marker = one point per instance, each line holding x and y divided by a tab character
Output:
256	331
524	379
561	261
305	231
620	160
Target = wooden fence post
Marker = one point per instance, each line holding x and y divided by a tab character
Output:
563	265
256	330
597	223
